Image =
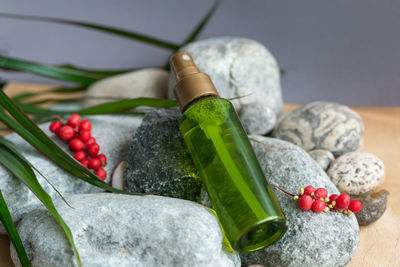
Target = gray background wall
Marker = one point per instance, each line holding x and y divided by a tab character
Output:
343	51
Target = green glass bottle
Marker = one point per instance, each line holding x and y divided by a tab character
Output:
221	151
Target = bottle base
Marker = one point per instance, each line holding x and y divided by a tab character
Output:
261	235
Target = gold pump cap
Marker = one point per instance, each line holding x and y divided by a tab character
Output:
190	82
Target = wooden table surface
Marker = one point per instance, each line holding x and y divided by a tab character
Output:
379	242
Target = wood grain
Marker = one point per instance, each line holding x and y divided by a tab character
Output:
379	242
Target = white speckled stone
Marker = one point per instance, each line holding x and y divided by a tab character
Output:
322	157
113	133
241	67
140	83
119	230
357	172
322	125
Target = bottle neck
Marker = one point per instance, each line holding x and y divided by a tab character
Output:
196	100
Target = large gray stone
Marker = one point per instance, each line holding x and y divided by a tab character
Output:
113	134
312	239
140	83
241	67
322	125
121	230
326	239
158	160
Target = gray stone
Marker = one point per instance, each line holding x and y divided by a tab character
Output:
326	239
322	125
373	206
121	230
323	157
357	173
312	239
241	67
140	83
113	134
158	160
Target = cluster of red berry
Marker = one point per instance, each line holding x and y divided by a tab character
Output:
78	134
317	200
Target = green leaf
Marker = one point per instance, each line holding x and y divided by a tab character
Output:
47	70
5	218
107	108
28	130
23	171
57	90
108	29
201	24
13	149
98	72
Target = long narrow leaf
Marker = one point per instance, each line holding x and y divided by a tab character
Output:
108	29
47	70
107	108
193	35
23	171
57	90
4	142
99	72
8	223
36	137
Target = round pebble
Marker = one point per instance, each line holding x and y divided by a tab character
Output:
322	157
373	206
322	125
357	173
118	176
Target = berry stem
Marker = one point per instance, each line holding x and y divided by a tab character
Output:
286	192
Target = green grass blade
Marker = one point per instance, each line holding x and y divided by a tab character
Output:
23	171
47	70
12	148
202	23
28	130
108	29
6	219
107	108
57	90
98	72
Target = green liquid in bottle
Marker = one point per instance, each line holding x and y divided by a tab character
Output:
245	204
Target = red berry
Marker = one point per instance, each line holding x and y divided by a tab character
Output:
85	163
90	141
55	126
309	189
93	149
318	205
305	202
333	197
80	155
342	201
94	163
66	133
321	192
85	125
76	145
101	173
74	120
103	159
355	206
84	135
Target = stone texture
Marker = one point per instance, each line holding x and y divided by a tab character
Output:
121	230
322	125
241	67
113	134
357	173
158	160
140	83
323	157
285	165
312	239
373	206
117	179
